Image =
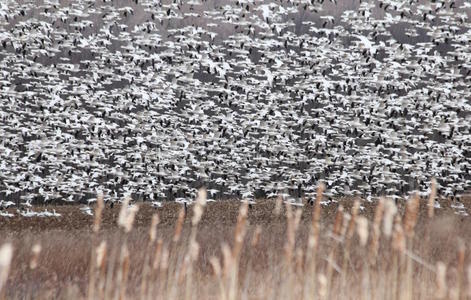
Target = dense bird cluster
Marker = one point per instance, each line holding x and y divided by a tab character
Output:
155	98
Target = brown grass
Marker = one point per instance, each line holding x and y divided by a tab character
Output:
232	255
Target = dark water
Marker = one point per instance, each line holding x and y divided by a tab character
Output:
155	98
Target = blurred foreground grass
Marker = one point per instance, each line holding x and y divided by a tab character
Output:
227	250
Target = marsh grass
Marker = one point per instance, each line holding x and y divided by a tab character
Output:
357	251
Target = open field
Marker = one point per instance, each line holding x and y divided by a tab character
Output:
240	252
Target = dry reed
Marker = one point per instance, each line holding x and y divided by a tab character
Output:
353	256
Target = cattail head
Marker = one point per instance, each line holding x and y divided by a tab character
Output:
346	221
123	211
317	206
164	259
390	211
197	213
6	254
240	230
243	210
129	220
98	212
194	250
441	291
322	280
199	206
179	225
241	221
157	254
101	254
356	207
362	230
289	212
153	227
351	224
124	252
214	261
228	259
410	217
431	198
35	252
378	213
316	216
338	221
398	238
127	215
376	231
278	205
290	233
312	240
202	196
256	236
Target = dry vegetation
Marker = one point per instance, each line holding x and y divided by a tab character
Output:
224	250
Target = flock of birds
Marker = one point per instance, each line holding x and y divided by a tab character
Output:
250	98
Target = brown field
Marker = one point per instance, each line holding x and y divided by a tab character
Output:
228	254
